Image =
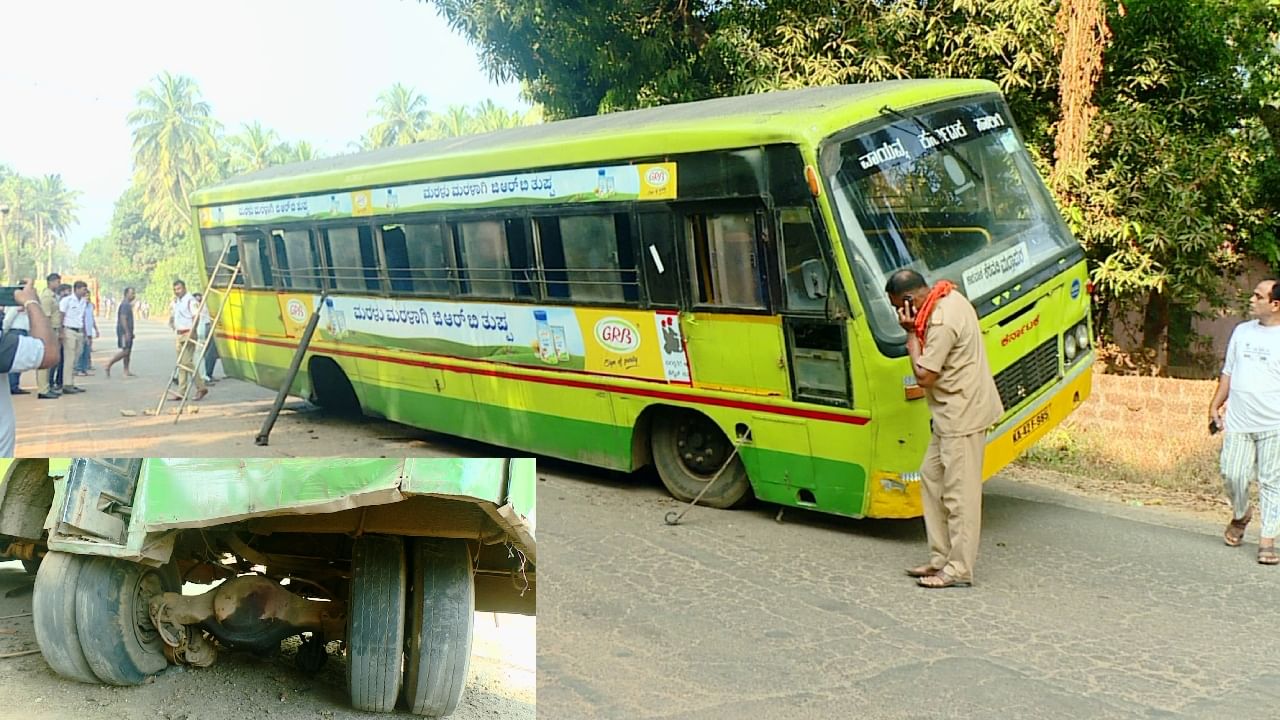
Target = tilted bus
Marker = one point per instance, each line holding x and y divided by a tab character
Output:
665	286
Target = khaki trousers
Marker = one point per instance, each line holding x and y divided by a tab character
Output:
186	352
951	490
72	344
42	376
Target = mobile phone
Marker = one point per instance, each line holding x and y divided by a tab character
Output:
908	305
7	295
1214	428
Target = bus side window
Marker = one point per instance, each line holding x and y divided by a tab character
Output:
658	252
213	243
589	258
805	275
353	262
521	260
722	251
257	260
417	258
484	259
298	266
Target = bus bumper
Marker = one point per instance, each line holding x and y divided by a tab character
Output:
897	495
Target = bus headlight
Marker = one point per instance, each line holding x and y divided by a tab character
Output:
1069	345
1082	335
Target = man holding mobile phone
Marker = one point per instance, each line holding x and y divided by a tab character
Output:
949	361
1251	443
39	350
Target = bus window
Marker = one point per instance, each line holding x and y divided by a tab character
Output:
298	266
521	260
722	252
213	243
802	262
585	259
353	263
658	253
417	258
257	260
485	258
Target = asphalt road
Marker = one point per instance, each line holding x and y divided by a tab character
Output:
1082	609
110	418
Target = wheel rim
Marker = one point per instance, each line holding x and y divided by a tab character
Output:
700	445
147	587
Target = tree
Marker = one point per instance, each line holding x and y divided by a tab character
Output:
174	150
53	206
402	115
255	148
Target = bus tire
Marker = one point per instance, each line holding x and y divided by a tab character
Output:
375	623
688	449
53	613
443	604
331	389
113	622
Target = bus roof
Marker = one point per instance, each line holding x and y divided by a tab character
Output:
804	115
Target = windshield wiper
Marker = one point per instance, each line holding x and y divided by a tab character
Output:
945	143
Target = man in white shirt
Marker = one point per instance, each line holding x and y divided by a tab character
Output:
18	353
182	318
74	307
15	320
1251	445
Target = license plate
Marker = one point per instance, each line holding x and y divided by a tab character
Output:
1023	431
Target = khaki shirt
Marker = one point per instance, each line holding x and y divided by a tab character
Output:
49	304
964	400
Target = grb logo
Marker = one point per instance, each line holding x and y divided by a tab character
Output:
617	335
297	311
657	177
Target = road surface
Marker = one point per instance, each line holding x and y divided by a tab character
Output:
110	420
500	683
1082	609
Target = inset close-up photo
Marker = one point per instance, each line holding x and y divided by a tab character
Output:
185	588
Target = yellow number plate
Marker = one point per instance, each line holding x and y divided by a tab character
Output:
1024	430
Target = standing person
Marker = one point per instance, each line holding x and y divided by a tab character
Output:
124	333
48	379
84	363
16	321
1250	379
74	309
206	336
40	351
949	361
182	318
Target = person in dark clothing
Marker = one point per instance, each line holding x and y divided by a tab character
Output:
124	333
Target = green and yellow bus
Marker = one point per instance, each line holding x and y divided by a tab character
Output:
660	286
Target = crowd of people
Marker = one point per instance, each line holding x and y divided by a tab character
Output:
53	332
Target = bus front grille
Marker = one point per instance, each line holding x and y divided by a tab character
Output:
1028	374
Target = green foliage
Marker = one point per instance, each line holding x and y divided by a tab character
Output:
404	117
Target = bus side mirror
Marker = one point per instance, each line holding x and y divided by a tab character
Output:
816	281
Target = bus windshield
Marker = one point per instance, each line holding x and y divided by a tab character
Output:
949	192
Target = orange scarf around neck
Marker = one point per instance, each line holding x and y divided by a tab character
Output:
940	290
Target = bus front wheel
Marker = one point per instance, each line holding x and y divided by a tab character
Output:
688	450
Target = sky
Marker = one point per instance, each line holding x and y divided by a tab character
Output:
70	73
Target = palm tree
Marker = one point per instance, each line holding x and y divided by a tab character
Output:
402	114
174	149
454	122
489	116
53	206
302	151
256	148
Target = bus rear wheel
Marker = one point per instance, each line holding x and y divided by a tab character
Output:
375	622
441	621
688	450
113	621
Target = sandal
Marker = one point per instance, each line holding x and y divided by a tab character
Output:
1267	555
941	579
923	571
1234	534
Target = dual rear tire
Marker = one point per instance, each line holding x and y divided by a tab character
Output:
92	620
410	624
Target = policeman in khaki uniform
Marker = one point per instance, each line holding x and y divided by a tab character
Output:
950	363
49	304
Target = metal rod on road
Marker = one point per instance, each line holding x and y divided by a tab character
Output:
303	344
676	520
18	654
